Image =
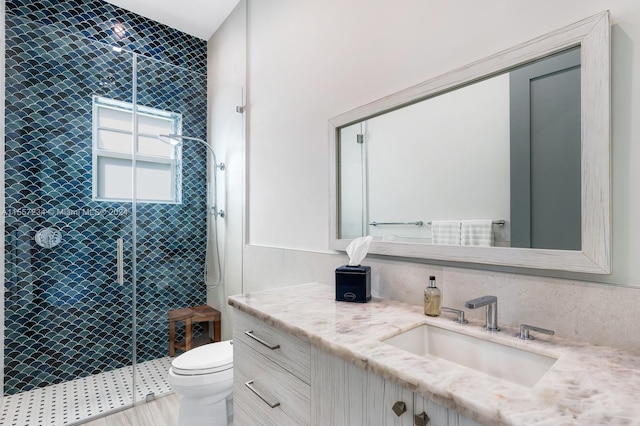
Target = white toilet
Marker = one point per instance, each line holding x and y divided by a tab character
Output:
203	377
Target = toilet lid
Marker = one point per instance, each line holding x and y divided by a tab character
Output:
205	359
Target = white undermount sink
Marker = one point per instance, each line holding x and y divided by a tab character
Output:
500	361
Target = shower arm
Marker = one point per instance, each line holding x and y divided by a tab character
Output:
170	138
179	138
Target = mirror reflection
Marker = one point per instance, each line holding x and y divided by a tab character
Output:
493	163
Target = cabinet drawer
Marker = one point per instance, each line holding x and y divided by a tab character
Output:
264	393
288	352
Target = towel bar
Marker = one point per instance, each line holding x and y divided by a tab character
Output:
495	222
418	223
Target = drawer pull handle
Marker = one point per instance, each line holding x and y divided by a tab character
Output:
400	407
421	419
259	340
249	384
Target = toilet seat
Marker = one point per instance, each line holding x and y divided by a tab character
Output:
206	359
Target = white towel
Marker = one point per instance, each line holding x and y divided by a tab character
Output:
477	232
445	232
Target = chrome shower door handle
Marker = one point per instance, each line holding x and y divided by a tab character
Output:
119	255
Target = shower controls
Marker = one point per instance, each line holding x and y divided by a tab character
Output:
48	237
216	213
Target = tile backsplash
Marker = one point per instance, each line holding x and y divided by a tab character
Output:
596	313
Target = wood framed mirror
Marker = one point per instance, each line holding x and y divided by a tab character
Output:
361	206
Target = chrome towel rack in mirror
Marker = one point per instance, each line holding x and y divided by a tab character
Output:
495	222
418	223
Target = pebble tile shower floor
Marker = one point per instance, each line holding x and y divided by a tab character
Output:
81	399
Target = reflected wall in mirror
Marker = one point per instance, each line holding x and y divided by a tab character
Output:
519	140
506	148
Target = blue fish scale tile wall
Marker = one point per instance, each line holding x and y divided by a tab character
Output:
94	20
65	315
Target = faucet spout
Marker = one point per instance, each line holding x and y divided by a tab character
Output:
491	302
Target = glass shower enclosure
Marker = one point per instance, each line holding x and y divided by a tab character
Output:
105	225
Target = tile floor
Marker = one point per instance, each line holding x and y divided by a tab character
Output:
160	412
77	401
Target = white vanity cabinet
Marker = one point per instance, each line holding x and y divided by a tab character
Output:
343	394
282	380
271	375
346	395
440	415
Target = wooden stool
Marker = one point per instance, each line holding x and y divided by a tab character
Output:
196	314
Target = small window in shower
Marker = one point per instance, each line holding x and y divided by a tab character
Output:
158	164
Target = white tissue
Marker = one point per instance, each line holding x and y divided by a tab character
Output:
358	249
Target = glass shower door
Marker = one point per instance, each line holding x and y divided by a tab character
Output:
171	225
85	302
69	287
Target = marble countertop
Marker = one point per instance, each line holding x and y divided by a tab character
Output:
587	385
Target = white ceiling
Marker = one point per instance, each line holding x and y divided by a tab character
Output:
200	18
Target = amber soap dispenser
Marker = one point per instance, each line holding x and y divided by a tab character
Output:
432	298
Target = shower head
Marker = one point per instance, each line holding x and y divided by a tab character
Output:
170	140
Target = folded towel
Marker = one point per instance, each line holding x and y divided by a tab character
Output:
478	232
445	232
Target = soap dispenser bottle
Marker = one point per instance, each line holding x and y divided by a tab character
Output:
432	298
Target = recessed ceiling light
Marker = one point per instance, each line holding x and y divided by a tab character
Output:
119	30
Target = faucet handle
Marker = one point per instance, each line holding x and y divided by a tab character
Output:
460	314
524	331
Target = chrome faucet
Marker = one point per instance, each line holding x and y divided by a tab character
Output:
491	302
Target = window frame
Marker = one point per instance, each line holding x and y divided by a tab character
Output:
175	161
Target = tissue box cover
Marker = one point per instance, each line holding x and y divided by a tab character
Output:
353	283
